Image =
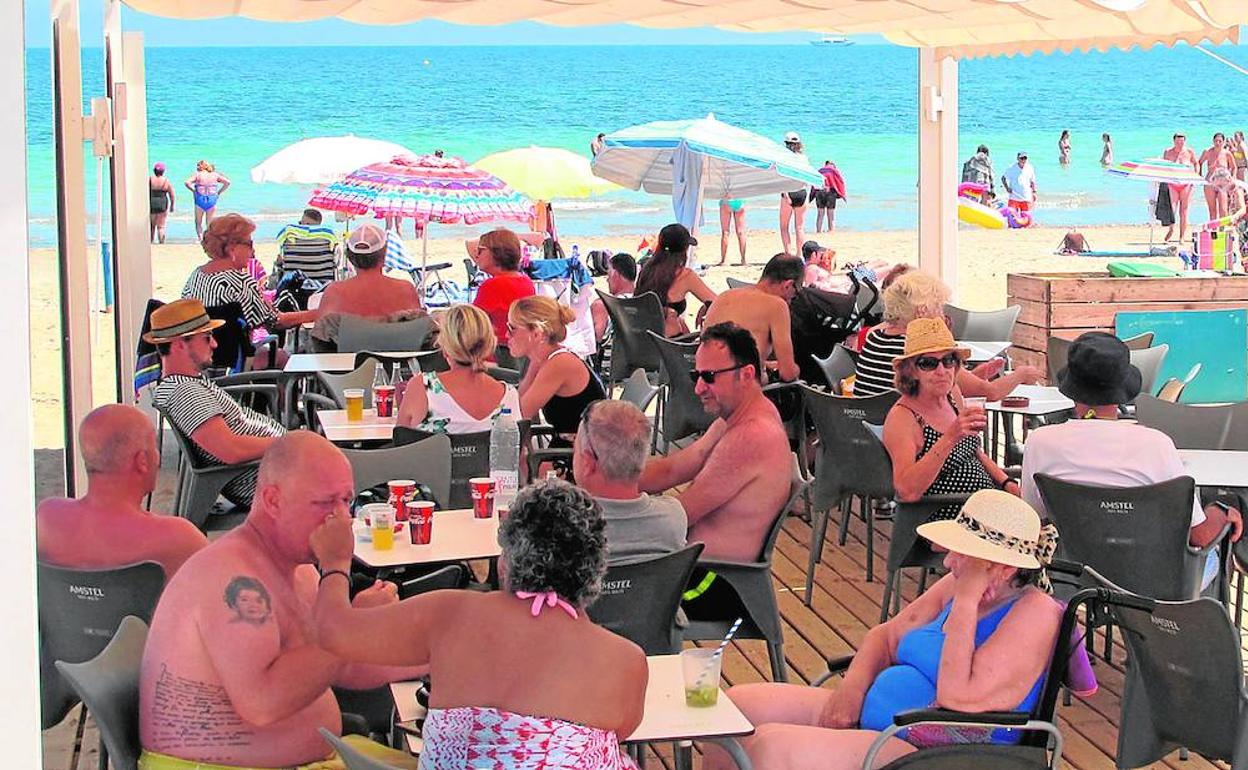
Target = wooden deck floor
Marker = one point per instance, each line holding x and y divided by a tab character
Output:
844	606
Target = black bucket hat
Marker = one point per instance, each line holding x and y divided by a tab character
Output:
1099	371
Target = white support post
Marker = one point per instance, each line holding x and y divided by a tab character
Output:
19	687
132	251
938	166
71	216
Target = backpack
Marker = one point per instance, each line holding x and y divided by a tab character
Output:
599	262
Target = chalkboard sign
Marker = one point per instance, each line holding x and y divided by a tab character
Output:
1215	339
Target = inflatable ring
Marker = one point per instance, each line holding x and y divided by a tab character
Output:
975	213
971	190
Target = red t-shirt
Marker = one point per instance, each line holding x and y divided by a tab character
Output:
496	295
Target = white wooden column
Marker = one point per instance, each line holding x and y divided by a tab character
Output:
938	165
19	687
71	219
132	252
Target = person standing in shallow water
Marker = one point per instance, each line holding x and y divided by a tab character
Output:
1063	148
1107	151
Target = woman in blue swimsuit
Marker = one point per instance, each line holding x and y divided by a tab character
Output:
206	186
980	639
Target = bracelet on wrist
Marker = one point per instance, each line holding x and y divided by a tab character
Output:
329	572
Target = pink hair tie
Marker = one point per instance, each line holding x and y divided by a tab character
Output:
550	599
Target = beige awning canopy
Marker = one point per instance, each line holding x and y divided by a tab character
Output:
962	28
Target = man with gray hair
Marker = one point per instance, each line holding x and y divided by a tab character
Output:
607	459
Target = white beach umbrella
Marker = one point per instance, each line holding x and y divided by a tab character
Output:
324	159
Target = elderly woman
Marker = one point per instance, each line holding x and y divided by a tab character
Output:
980	639
464	399
497	253
224	278
521	677
665	274
558	383
932	436
919	295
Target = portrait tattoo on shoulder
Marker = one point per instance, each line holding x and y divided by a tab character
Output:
249	599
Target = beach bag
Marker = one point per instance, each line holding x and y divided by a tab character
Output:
599	262
1139	270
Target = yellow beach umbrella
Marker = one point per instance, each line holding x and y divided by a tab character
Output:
545	173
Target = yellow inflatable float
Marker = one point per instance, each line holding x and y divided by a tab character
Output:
973	212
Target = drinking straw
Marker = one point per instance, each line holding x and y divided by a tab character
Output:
719	651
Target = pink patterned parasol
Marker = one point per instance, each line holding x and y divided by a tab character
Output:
426	188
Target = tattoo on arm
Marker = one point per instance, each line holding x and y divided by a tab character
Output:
250	601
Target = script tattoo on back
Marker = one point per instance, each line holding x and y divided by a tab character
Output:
192	714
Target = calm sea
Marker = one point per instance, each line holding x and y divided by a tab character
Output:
854	104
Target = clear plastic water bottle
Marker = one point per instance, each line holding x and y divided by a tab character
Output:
576	251
505	459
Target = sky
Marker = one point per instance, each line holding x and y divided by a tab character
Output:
245	32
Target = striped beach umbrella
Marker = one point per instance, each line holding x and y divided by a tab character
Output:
1156	170
426	188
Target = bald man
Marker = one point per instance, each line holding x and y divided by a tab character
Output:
231	672
107	527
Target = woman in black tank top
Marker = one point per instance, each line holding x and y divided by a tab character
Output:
558	384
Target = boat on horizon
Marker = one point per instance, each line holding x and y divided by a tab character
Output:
832	40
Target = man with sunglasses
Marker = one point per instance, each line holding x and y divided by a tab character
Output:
763	311
737	473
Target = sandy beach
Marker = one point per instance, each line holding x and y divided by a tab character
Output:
986	256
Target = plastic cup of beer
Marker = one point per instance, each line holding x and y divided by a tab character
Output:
420	521
355	404
700	670
366	512
383	528
401	493
482	497
976	402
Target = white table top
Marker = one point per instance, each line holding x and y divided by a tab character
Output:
307	363
371	428
666	717
982	351
457	536
1216	467
1045	399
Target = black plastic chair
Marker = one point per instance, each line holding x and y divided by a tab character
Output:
906	549
200	480
752	583
1189	426
108	685
470	458
79	611
737	283
356	333
839	364
425	462
631	319
639	599
682	412
850	462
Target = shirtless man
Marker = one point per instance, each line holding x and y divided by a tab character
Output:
370	293
1180	194
232	673
763	310
107	527
1217	164
738	471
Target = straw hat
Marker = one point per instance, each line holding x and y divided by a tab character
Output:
998	527
929	335
180	318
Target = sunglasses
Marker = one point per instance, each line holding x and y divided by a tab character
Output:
708	375
929	363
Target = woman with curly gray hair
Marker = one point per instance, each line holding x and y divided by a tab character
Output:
523	675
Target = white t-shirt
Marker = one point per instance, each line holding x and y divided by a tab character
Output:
1111	453
1020	181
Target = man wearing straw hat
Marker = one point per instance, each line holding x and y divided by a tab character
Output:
1098	448
220	429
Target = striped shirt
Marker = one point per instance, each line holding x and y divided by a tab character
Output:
189	402
875	363
226	286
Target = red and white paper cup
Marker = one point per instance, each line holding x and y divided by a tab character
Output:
420	521
482	497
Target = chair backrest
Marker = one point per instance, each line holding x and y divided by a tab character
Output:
406	365
638	391
353	758
1184	684
450	576
1171	390
737	283
356	333
1058	351
1141	341
109	686
639	600
797	485
1190	426
982	326
470	458
1136	537
360	377
631	319
1149	361
850	459
425	462
839	364
79	611
683	414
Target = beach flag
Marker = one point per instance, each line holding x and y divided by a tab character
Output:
396	254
